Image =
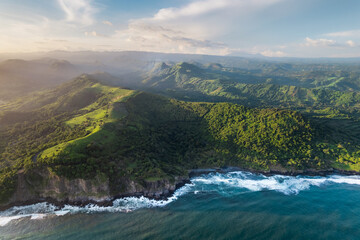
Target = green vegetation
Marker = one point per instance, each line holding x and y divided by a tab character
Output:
163	138
189	82
84	128
53	120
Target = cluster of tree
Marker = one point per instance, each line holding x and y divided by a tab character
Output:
189	82
162	138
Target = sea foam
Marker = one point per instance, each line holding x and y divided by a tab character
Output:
256	182
229	183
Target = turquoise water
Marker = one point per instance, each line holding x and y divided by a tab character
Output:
236	205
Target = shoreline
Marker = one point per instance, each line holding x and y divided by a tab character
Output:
191	174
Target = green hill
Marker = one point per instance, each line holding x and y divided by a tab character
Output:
85	129
189	82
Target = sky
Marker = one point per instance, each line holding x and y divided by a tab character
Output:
272	28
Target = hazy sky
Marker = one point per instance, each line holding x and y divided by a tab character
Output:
299	28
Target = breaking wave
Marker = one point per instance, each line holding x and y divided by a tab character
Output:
256	182
228	183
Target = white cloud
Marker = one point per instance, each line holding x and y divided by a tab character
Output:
208	18
201	7
150	37
95	34
322	42
107	23
78	11
192	9
351	43
352	33
270	53
190	28
195	27
25	31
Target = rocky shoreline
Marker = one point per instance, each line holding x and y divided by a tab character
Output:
309	172
163	194
152	190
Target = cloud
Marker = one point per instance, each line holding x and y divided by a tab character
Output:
352	33
208	18
195	27
158	38
202	7
59	40
322	42
191	28
351	43
78	11
270	53
193	9
24	32
94	34
107	23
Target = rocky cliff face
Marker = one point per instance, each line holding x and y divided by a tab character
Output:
43	185
154	189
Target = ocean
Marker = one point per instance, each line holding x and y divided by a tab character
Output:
235	205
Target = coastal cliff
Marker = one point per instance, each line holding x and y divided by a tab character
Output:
44	185
86	142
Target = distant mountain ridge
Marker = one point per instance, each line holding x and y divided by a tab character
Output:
188	81
19	77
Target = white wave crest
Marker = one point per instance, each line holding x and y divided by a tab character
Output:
42	210
226	183
284	184
35	211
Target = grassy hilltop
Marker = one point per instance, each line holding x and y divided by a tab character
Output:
85	128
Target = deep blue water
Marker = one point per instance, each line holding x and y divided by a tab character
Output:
236	205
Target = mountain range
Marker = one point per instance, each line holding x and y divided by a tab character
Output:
102	135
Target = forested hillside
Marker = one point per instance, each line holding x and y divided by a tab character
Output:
84	129
187	81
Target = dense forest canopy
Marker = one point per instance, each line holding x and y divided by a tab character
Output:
260	116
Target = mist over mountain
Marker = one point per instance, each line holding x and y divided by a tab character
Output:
133	69
19	77
135	60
